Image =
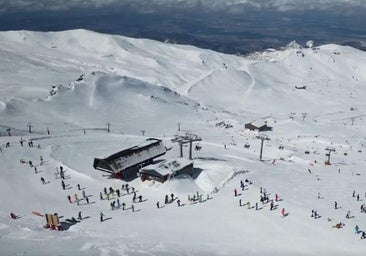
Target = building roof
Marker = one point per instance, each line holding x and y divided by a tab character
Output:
258	126
132	156
167	166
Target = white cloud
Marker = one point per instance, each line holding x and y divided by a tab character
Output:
148	5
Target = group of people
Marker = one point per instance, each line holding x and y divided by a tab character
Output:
314	214
263	198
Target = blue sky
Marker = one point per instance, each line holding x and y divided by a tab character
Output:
232	26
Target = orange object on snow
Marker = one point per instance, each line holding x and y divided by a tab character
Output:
37	214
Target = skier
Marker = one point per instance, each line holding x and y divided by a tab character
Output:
30	163
79	216
79	188
134	198
63	185
111	190
335	205
271	205
118	193
123	206
43	180
358	197
242	185
178	202
256	206
69	198
363	236
140	198
248	203
357	229
101	216
84	194
235	192
35	170
157	205
354	194
172	196
21	142
118	203
133	208
276	197
283	212
13	216
100	196
166	199
239	202
348	215
62	173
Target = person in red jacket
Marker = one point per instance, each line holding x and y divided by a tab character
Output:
283	212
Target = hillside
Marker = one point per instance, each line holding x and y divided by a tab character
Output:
73	83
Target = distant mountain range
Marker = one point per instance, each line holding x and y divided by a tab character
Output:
361	45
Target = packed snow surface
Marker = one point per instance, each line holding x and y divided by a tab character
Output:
67	86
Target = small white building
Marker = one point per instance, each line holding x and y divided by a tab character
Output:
167	169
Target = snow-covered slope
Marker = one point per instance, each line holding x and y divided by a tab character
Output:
73	83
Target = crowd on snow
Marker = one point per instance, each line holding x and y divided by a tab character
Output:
115	194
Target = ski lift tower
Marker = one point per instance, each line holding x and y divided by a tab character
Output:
184	139
330	150
262	137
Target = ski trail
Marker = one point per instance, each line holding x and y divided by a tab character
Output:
186	88
249	90
231	176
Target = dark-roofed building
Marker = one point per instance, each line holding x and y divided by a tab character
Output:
261	128
128	161
166	169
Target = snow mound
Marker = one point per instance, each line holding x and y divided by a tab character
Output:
2	106
227	88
